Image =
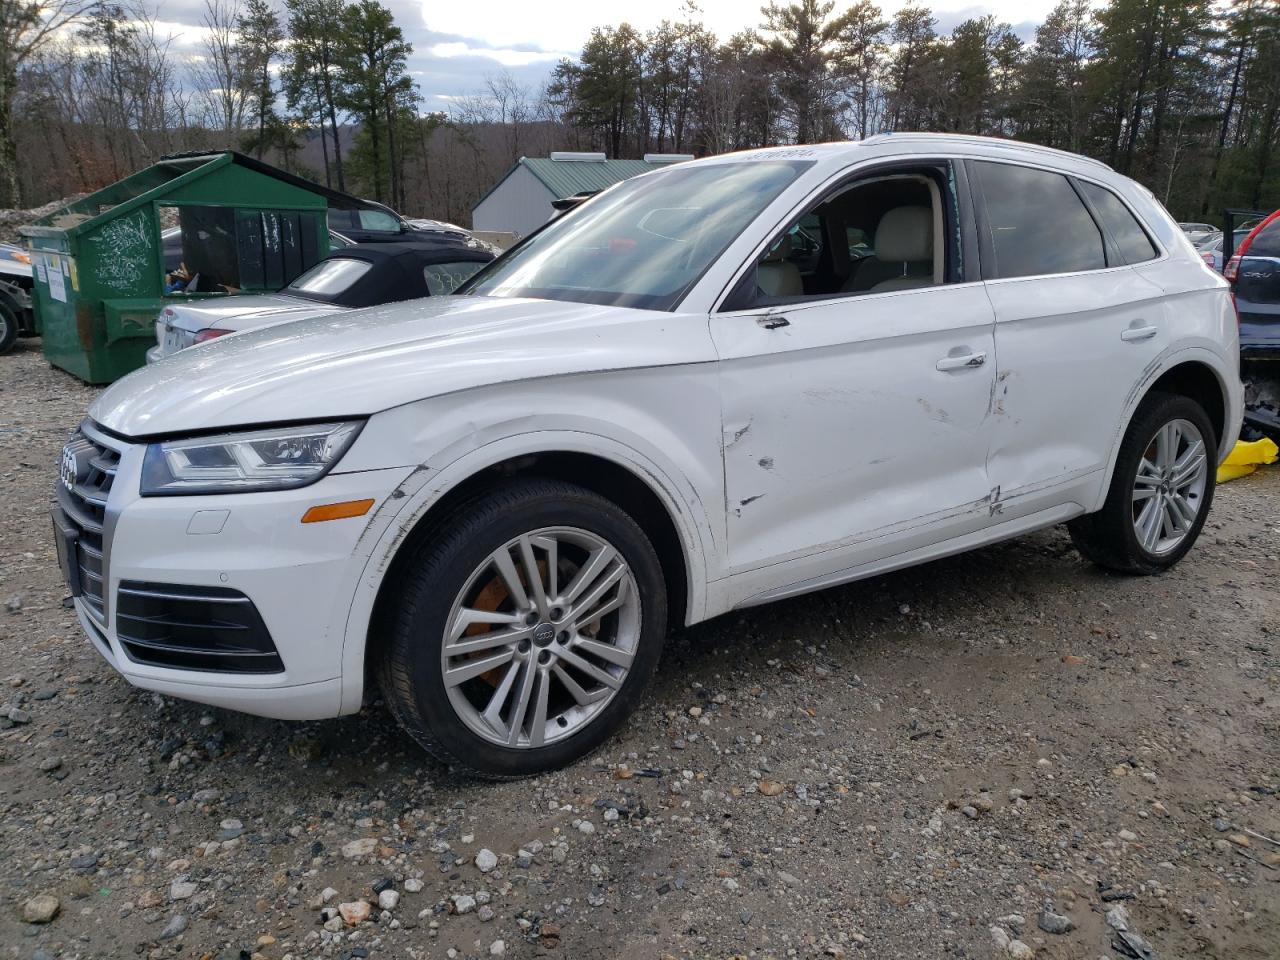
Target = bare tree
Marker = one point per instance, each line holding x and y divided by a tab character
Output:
220	71
25	27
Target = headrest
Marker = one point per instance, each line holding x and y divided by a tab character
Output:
779	252
905	235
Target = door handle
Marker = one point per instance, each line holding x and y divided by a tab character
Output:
1139	333
962	362
773	321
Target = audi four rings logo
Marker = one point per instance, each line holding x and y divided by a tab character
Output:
69	469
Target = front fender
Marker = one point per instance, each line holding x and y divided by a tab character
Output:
665	462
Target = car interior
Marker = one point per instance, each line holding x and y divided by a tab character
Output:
871	236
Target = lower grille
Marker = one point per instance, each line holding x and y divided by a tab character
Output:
193	628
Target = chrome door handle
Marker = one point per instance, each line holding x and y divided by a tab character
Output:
1139	333
963	362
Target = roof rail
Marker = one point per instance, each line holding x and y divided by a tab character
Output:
980	141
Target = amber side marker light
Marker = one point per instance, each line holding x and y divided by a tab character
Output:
337	511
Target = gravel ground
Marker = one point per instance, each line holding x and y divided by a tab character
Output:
1005	754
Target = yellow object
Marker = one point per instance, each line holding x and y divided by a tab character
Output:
1246	458
337	511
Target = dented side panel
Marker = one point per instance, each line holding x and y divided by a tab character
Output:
661	424
840	426
1064	375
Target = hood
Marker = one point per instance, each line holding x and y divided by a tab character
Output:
221	311
362	361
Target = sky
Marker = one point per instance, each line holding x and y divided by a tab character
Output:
457	45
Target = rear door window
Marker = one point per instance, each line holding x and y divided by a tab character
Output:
1134	244
1038	223
1267	242
379	220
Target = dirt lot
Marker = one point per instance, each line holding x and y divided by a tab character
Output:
890	769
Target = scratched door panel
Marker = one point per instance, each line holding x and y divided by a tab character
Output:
1065	373
841	436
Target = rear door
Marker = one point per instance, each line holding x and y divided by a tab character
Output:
1257	290
1076	327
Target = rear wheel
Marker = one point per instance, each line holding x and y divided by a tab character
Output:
525	630
1161	490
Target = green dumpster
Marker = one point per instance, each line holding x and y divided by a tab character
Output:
99	263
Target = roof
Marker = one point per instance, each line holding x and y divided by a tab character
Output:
980	141
166	176
567	177
335	198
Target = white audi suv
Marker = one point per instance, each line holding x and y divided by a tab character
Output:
729	381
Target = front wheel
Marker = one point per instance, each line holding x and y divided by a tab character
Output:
1161	490
525	630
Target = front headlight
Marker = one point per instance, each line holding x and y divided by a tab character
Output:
274	459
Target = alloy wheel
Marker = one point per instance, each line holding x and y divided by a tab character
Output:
1168	491
541	637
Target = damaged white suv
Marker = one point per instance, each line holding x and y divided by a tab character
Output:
722	383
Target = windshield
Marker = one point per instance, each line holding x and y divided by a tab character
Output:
329	278
642	243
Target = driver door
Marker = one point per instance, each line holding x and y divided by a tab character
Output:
855	423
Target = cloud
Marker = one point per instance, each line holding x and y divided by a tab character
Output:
506	56
457	46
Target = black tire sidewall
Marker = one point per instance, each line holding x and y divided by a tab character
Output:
443	577
8	329
1154	413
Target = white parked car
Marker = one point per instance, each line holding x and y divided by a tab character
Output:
1198	233
702	391
359	275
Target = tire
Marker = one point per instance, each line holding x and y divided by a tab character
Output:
1112	537
8	328
452	593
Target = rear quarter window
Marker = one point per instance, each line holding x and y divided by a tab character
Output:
1038	224
1134	244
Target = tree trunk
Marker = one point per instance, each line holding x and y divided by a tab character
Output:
1236	71
10	190
371	118
324	143
396	187
332	111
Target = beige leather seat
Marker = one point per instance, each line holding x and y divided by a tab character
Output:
777	276
904	253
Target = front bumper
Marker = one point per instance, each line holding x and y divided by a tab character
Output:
299	578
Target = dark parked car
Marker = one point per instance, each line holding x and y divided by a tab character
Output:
1254	272
363	275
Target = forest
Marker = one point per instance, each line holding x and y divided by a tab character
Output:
1182	95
